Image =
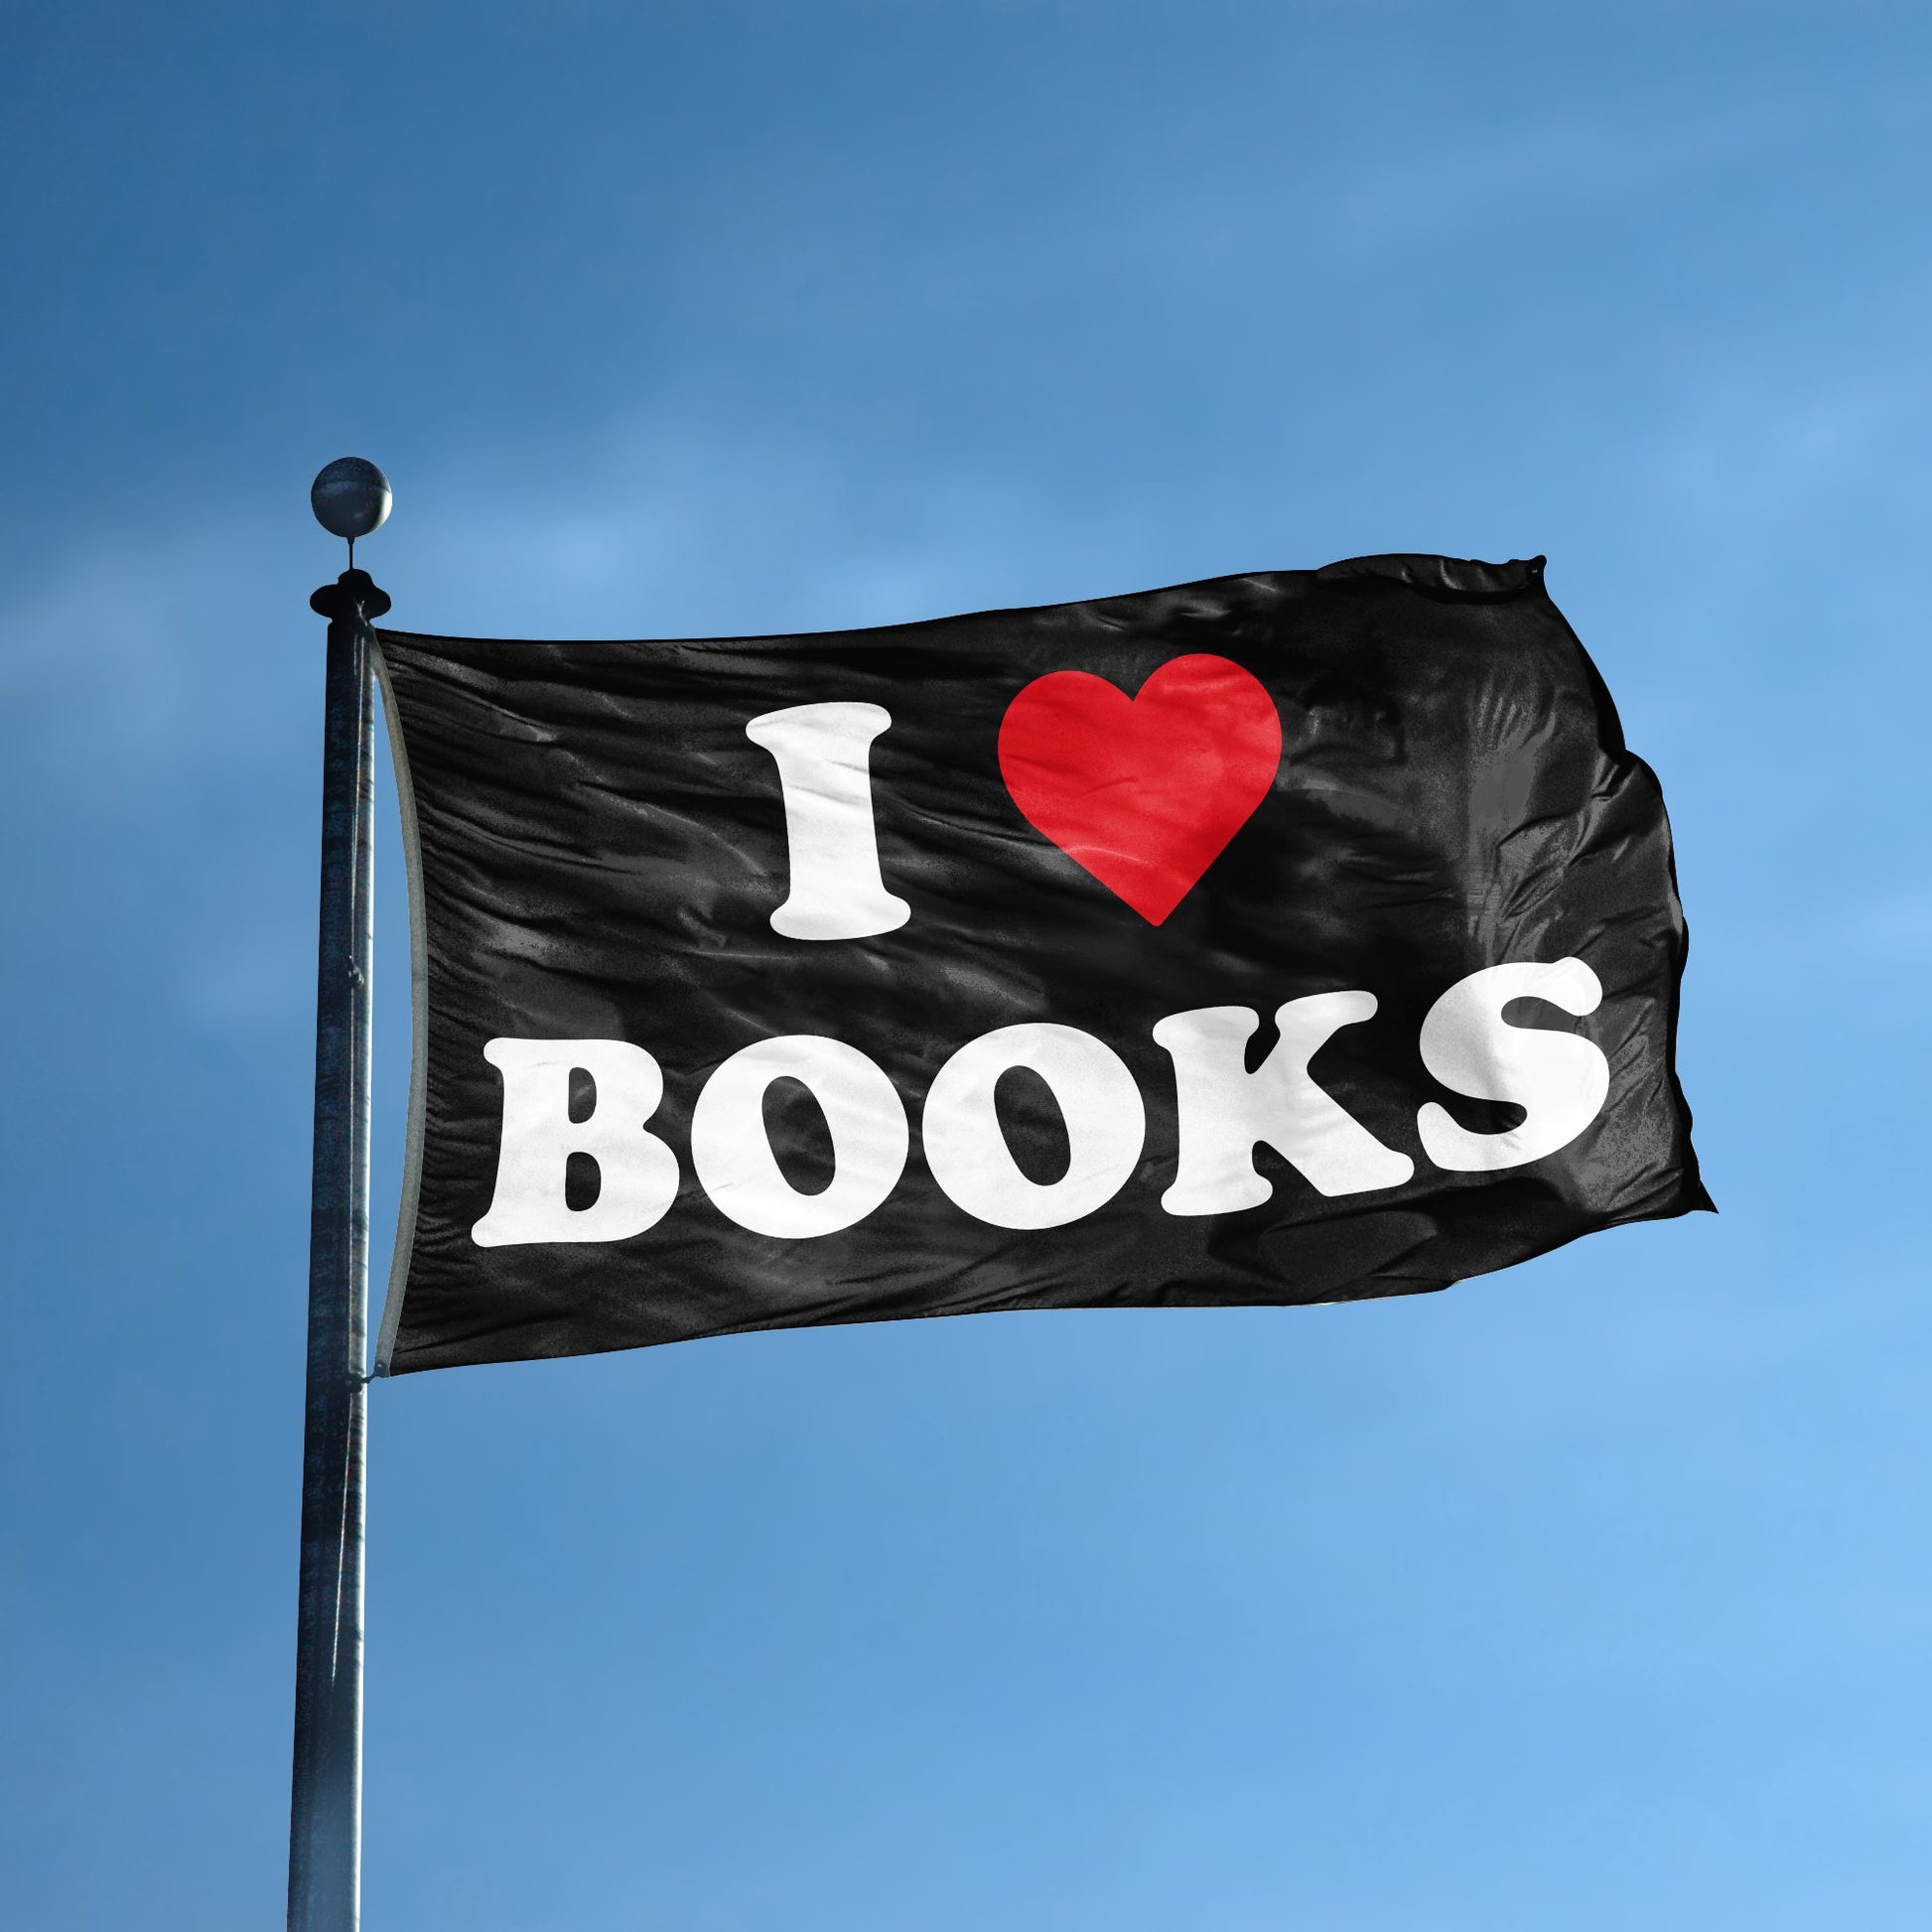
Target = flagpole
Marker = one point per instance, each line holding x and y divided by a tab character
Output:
326	1810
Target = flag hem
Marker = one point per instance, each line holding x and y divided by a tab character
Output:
412	1162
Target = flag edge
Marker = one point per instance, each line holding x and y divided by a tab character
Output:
403	1252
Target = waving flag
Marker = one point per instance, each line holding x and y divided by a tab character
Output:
1291	937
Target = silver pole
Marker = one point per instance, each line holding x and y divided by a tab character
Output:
325	1819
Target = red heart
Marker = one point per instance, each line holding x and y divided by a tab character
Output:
1143	791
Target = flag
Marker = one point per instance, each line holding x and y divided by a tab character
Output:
1294	938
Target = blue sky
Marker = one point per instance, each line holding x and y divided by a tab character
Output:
1595	1594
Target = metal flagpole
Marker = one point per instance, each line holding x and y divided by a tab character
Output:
351	499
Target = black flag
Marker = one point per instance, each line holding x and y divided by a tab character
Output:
1292	937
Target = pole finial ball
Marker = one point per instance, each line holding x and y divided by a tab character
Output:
351	497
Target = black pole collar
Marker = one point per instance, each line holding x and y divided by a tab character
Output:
354	597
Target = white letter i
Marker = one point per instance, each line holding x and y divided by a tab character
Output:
822	752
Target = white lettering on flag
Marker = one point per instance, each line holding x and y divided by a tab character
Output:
636	1172
1561	1080
1106	1124
732	1153
1225	1110
823	756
